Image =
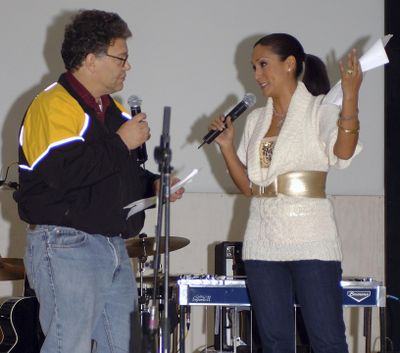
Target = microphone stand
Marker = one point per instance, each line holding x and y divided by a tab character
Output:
162	155
144	316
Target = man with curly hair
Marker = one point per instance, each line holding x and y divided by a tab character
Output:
78	169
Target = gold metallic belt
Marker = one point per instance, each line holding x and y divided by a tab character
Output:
306	184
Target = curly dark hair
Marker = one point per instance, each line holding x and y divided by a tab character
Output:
91	31
315	75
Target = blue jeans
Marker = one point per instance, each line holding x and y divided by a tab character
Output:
273	287
86	290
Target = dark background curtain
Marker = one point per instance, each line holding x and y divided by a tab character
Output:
392	175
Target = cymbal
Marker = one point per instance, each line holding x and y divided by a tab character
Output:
138	247
11	269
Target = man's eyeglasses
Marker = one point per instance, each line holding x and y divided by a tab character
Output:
123	60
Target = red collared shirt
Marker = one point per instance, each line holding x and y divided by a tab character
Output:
88	98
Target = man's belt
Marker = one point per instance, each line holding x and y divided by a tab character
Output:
305	184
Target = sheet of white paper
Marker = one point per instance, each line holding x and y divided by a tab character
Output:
142	204
374	57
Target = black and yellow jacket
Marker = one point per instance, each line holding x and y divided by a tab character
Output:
75	171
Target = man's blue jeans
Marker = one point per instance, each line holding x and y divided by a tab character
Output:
86	290
273	287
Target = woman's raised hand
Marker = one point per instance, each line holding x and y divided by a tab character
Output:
351	75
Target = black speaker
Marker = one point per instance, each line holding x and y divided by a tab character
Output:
228	262
228	259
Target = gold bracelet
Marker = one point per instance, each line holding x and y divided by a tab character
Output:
348	131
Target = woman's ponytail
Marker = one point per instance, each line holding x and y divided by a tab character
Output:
315	75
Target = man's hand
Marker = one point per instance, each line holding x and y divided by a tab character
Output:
176	195
135	132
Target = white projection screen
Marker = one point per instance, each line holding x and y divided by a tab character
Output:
194	56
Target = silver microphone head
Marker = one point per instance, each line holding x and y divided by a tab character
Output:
249	99
134	101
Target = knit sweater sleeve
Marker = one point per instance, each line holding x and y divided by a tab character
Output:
327	117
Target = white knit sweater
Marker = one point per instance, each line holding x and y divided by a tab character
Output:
292	228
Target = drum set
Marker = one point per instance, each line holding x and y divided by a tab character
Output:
141	248
12	269
150	288
157	296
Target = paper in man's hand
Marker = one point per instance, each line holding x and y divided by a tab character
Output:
142	204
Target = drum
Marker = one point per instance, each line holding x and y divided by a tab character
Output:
146	295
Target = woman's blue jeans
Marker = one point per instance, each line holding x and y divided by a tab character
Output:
273	287
86	290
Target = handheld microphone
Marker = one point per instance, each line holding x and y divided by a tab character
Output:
134	103
248	100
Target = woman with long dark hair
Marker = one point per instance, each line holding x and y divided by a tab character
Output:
291	246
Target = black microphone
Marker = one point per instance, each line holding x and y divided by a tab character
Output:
134	103
248	100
